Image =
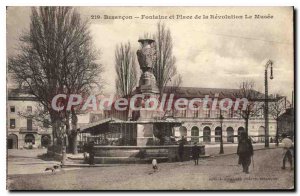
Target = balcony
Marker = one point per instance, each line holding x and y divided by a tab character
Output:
26	130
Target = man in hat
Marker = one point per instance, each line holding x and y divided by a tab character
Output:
287	145
245	152
195	153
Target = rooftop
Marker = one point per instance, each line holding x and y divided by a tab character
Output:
192	92
20	94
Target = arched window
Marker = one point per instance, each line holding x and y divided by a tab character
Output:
195	134
240	130
12	141
29	138
218	131
206	134
261	134
230	133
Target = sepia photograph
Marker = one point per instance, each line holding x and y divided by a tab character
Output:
150	98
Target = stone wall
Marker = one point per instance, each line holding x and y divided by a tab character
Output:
141	154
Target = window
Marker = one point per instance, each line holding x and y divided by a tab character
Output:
29	109
46	123
230	113
207	113
218	132
29	124
206	134
195	134
29	138
12	123
12	109
183	113
230	134
196	113
217	113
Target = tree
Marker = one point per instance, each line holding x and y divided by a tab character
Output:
277	108
125	65
165	68
56	57
252	107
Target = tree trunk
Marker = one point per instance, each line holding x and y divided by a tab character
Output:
72	138
74	143
70	144
246	126
68	132
73	135
53	133
54	127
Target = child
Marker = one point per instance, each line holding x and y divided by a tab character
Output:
154	165
195	153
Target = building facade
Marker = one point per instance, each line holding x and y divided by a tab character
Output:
205	126
286	123
23	131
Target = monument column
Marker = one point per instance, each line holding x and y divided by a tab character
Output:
148	88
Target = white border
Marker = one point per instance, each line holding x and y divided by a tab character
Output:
109	3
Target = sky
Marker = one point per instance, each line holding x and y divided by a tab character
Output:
210	53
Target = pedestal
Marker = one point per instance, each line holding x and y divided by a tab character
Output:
147	84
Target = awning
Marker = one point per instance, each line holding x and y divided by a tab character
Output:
103	125
91	127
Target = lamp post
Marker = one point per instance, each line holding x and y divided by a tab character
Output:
266	110
221	141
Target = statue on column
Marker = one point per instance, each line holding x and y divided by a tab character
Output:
147	58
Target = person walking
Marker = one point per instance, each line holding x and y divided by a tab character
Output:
85	150
195	153
181	149
91	153
287	153
245	152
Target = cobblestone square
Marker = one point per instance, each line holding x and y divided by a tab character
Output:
214	173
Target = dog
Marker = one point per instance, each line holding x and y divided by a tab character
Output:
154	165
52	169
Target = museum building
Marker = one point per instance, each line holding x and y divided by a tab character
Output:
204	125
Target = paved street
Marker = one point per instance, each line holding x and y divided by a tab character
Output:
221	172
27	161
